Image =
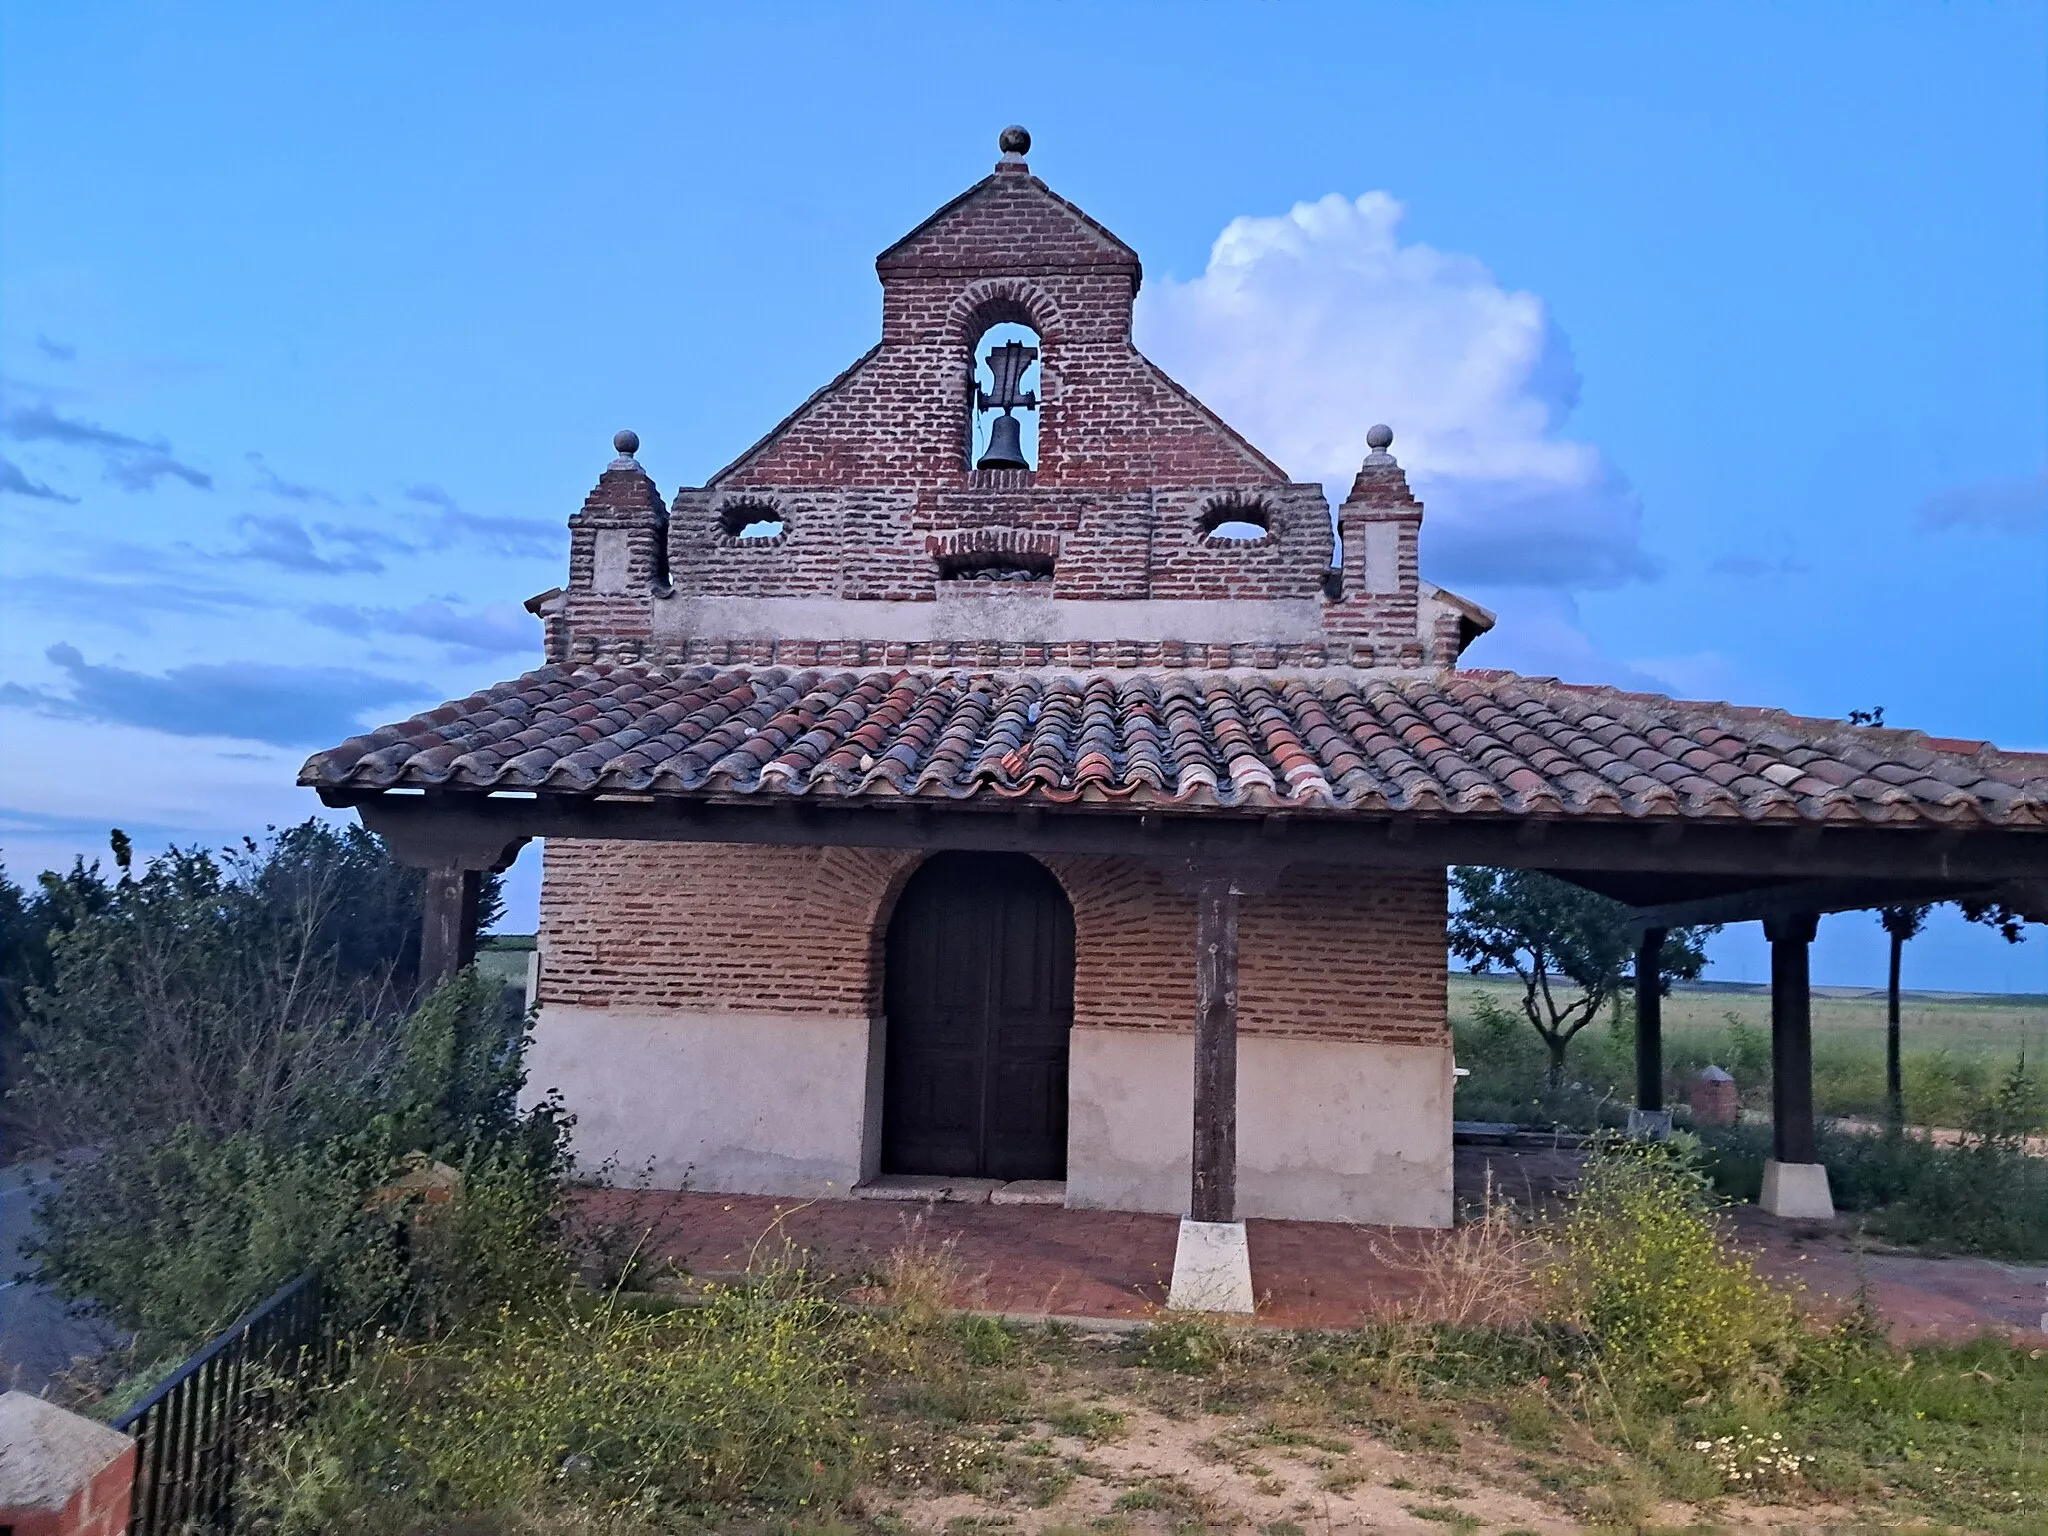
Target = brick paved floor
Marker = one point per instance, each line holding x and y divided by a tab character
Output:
1116	1264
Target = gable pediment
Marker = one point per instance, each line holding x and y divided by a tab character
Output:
1008	223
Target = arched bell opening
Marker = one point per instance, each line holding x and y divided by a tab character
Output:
1003	401
978	999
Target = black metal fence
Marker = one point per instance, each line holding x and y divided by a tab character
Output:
190	1433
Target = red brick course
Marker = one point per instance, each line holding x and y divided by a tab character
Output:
709	928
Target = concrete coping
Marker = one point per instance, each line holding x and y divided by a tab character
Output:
48	1454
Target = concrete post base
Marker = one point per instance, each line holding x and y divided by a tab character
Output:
1797	1191
1212	1268
1651	1124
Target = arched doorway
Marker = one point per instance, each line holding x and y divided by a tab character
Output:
978	989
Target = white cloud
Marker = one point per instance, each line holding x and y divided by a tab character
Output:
1307	328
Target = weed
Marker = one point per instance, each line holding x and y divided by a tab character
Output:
1642	1269
1627	1502
1458	1520
1090	1424
985	1341
749	1397
1480	1271
1190	1346
923	1277
1529	1420
1748	1459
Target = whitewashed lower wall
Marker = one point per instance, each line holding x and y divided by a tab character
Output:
747	1103
1326	1130
762	1103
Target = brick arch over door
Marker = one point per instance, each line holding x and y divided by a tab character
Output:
978	994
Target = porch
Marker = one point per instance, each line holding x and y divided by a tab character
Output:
1219	783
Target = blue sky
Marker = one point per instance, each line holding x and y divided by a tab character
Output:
1714	335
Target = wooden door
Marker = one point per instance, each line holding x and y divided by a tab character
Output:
978	989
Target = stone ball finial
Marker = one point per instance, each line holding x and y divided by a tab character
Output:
1014	141
1380	438
628	443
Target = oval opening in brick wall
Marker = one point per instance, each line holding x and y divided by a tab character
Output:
1236	522
752	522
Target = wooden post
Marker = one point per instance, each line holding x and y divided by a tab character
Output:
1650	1020
1792	1138
448	922
1214	1197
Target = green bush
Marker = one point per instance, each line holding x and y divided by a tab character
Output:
1987	1194
175	1234
250	990
1642	1269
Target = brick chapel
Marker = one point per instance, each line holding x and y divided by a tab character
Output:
797	1020
921	789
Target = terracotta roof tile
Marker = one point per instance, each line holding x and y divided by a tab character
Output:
1464	743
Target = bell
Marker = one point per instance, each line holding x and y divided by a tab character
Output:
1005	445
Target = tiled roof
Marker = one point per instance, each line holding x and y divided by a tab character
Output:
1462	743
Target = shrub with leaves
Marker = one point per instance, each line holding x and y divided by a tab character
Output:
176	1234
249	990
1643	1270
1990	1194
226	1050
1986	1194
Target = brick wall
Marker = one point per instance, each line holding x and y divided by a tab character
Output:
871	480
1331	953
706	927
1355	954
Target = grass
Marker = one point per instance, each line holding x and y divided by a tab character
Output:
502	957
769	1405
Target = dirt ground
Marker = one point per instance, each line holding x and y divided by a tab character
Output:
1105	1449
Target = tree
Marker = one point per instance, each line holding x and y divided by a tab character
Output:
27	924
1901	924
238	991
232	1037
1545	929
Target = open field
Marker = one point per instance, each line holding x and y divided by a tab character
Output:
1959	1049
1973	1023
502	957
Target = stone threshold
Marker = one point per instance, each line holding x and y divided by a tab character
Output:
937	1188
